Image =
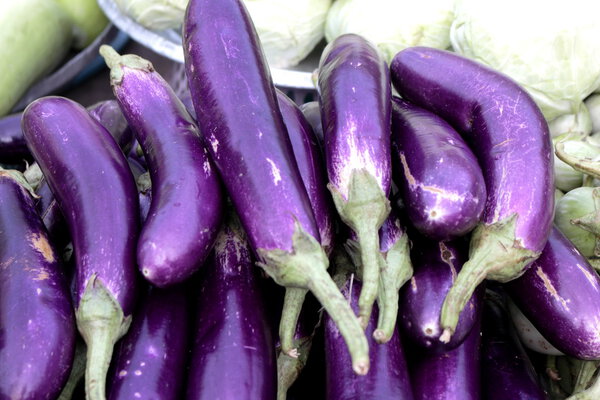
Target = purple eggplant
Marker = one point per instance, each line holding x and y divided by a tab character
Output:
186	209
239	118
95	189
507	372
13	147
37	324
355	98
441	183
436	266
312	113
109	114
451	375
233	355
508	134
150	361
389	379
560	295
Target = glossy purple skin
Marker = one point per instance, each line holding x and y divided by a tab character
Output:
49	210
186	209
233	355
312	169
390	232
13	147
441	183
503	126
435	267
451	375
355	98
560	295
239	118
151	359
387	380
507	372
109	114
95	189
312	113
37	324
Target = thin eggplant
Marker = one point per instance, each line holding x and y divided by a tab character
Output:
560	295
239	118
509	135
389	379
355	97
436	265
312	113
95	189
150	361
451	375
507	372
441	182
528	334
13	147
186	208
233	355
109	114
37	324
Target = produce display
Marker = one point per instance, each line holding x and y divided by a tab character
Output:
426	226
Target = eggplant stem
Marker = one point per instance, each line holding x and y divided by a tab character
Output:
77	372
585	374
292	306
289	368
585	165
372	263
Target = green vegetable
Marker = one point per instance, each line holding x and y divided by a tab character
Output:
88	20
565	176
576	215
155	14
34	37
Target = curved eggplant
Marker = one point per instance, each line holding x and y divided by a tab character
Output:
95	189
37	324
509	135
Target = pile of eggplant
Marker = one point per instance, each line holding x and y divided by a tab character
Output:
392	240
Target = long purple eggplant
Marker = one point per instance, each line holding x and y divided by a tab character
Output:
239	118
150	361
308	157
186	208
441	183
436	266
109	114
388	379
355	97
451	375
37	324
508	134
312	113
560	295
507	372
13	147
233	355
95	189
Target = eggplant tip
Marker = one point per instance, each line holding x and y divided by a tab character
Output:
361	367
293	353
446	335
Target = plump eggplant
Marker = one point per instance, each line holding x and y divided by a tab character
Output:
233	355
507	372
510	138
150	361
441	182
560	295
451	375
436	265
388	379
96	192
186	208
240	121
37	324
13	147
355	97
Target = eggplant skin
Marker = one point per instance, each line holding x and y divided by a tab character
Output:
37	323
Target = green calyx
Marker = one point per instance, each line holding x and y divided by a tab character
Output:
305	267
590	166
496	254
364	210
116	62
21	179
101	322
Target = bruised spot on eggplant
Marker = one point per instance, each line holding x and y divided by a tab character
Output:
550	287
409	177
41	244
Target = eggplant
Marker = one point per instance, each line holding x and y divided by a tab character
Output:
507	372
233	354
96	192
441	183
240	122
312	113
528	334
355	97
37	324
451	375
150	361
509	136
109	114
186	209
436	265
12	144
390	378
560	295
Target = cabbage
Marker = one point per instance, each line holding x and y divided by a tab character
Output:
593	105
155	14
393	24
551	48
576	216
288	29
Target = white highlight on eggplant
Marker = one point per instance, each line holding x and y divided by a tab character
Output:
214	143
274	172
